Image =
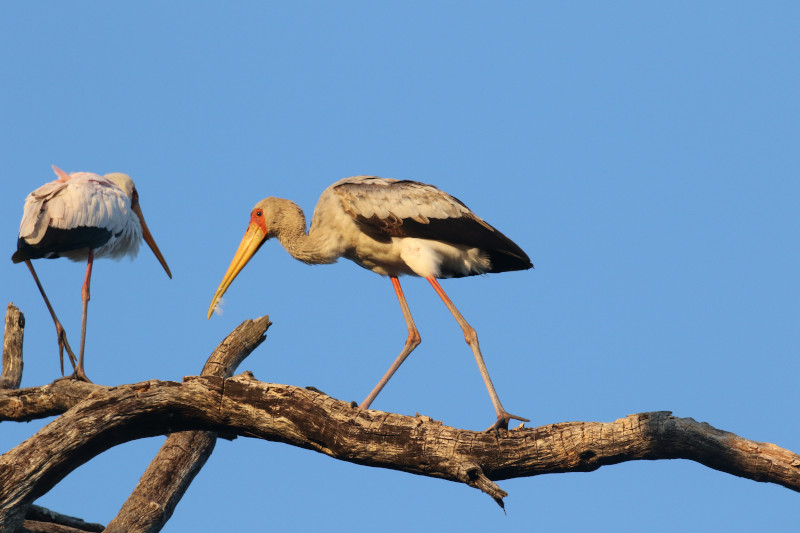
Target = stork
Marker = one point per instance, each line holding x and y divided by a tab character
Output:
82	216
392	228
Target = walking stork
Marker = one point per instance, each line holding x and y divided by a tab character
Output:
392	228
82	216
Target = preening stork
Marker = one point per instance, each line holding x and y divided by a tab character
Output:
82	216
392	228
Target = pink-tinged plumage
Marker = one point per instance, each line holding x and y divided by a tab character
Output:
392	228
82	216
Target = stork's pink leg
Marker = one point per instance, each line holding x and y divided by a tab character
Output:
62	335
79	373
503	417
412	341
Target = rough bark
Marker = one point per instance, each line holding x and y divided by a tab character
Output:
11	375
309	419
41	520
96	418
166	479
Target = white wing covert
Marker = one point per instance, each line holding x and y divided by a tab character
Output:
370	197
84	211
90	201
86	200
35	217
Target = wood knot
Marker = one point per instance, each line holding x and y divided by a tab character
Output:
588	455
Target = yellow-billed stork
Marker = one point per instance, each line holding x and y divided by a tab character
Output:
82	216
392	228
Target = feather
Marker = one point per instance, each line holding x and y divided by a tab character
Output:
386	209
64	218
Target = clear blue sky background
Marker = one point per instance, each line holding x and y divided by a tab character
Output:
644	154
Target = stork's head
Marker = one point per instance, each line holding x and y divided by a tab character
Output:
262	225
124	182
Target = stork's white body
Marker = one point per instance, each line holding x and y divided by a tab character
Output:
86	200
82	216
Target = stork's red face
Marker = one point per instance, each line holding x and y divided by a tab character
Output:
257	219
254	237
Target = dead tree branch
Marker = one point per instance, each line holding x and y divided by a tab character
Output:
183	455
11	375
96	418
312	420
41	520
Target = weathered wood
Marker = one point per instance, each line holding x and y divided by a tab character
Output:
32	526
24	405
97	418
244	406
11	375
183	455
41	520
164	482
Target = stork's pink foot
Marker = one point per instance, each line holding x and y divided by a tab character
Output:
63	344
79	375
76	376
502	421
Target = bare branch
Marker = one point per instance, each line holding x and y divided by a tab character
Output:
97	418
11	375
41	520
164	482
312	420
183	454
24	405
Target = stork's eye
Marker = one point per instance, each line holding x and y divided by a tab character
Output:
259	213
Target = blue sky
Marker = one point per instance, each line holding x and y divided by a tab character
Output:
645	155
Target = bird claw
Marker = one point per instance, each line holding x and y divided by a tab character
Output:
502	422
79	375
62	344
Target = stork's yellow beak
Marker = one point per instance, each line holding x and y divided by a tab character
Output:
253	238
148	238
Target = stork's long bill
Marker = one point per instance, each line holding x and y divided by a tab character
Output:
148	237
253	238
